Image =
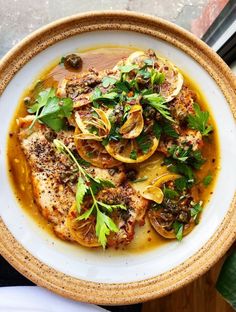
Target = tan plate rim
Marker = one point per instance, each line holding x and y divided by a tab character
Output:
216	246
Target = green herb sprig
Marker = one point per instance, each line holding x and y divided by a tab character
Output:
158	102
199	121
87	185
51	110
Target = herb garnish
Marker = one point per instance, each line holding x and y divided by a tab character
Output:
108	81
207	180
158	102
178	229
144	143
199	121
170	193
87	185
141	179
197	208
133	155
164	127
51	110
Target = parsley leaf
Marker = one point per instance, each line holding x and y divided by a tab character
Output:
108	81
51	110
157	77
178	229
122	86
207	180
106	98
179	153
169	130
104	225
170	193
133	155
157	130
197	208
164	127
199	121
181	184
113	135
157	101
144	142
127	68
81	190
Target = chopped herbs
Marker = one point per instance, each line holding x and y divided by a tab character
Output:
87	185
197	208
133	155
108	81
158	102
157	130
199	121
165	128
144	143
127	68
181	184
178	229
207	180
141	179
170	193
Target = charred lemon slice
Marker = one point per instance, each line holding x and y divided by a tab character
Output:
173	82
160	226
82	231
94	124
134	124
154	191
128	150
94	152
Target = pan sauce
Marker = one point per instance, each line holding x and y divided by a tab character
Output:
104	58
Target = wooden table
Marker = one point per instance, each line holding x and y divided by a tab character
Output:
199	296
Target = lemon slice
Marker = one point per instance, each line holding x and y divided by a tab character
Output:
154	192
83	231
94	152
127	151
173	82
154	218
134	124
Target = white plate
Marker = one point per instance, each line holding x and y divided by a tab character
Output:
122	267
37	299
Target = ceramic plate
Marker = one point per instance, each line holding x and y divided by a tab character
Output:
123	278
37	299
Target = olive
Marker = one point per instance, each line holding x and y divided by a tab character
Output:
73	61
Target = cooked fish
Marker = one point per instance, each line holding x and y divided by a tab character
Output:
53	177
124	219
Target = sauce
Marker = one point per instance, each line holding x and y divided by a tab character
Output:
19	172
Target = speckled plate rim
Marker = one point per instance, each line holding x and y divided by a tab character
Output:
216	246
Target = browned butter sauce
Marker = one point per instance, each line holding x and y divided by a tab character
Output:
19	173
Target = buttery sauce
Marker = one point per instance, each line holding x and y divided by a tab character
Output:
19	172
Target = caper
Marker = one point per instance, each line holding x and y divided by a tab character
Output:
73	61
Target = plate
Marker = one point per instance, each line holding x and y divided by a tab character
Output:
37	299
124	278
